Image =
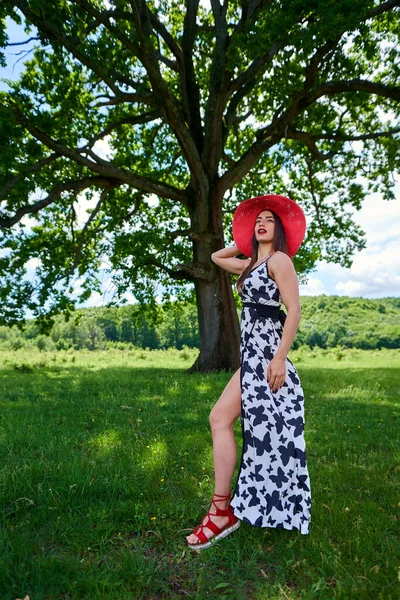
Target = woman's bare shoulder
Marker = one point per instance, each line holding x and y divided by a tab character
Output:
280	258
280	262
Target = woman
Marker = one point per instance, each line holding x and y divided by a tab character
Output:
273	487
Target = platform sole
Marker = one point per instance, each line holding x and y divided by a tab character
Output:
215	539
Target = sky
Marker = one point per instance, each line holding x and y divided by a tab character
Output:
375	272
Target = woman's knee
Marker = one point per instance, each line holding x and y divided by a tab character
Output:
219	420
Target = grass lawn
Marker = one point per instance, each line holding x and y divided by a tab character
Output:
106	465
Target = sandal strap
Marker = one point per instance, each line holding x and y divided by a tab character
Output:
199	533
220	512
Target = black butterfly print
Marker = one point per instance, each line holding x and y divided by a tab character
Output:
243	480
260	372
288	520
280	422
268	354
260	293
302	485
258	476
273	458
251	351
297	403
288	410
271	521
287	452
263	445
241	508
296	500
293	377
273	500
254	498
258	523
301	455
261	392
259	414
282	439
298	425
247	440
280	478
246	368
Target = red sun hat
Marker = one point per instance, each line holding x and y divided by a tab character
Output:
292	217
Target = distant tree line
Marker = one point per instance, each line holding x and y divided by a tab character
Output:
327	322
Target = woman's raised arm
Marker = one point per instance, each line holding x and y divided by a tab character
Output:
225	258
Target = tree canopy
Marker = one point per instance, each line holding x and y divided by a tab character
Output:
161	116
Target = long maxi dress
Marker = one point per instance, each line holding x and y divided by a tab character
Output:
273	485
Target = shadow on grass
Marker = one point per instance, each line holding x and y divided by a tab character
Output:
102	470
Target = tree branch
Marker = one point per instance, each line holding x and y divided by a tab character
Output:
167	37
305	137
128	120
55	34
384	7
190	271
55	193
178	275
192	235
29	169
102	167
189	86
23	43
355	85
81	239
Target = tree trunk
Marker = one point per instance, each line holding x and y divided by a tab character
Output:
218	325
217	316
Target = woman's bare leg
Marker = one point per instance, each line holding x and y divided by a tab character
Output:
222	417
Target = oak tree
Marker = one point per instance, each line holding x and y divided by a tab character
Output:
161	116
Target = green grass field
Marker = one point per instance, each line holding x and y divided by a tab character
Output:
106	465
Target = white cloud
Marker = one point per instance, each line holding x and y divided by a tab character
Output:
375	272
313	287
103	149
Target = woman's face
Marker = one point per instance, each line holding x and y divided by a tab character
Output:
264	228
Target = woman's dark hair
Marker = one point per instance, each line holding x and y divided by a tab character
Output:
278	243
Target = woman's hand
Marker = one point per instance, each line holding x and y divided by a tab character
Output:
276	373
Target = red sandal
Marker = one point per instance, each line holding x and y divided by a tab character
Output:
232	524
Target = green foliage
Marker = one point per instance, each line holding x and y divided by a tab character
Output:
327	322
136	127
339	321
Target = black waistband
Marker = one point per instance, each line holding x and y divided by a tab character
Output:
266	310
